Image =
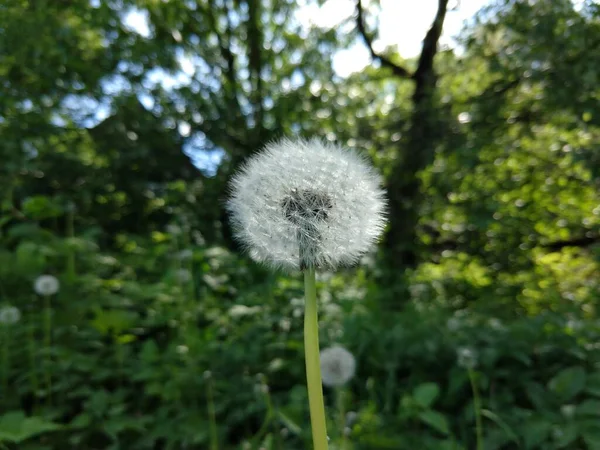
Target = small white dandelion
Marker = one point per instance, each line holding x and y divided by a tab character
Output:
46	285
285	325
337	366
466	358
182	349
300	204
9	315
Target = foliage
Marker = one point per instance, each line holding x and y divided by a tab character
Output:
162	332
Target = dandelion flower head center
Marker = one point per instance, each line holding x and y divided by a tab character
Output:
303	206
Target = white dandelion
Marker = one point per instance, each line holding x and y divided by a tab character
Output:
46	285
9	315
337	366
307	204
466	358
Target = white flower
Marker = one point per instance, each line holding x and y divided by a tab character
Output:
46	285
237	311
9	315
285	324
182	349
337	366
303	204
466	358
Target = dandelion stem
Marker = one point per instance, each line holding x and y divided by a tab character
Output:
5	361
48	345
214	439
342	413
477	406
71	253
32	363
313	367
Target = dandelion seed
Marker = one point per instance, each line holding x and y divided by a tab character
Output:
300	204
9	315
337	366
46	285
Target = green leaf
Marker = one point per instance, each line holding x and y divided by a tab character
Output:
40	207
81	421
567	435
425	394
289	423
590	407
592	386
590	431
501	423
16	427
535	433
568	383
435	420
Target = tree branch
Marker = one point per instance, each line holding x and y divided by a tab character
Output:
431	41
385	62
584	241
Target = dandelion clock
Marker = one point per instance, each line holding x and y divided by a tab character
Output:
307	205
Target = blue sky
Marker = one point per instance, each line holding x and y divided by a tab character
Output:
400	22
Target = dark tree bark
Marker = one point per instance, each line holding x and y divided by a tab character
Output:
404	187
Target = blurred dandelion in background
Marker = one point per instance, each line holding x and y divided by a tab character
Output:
9	315
338	366
46	285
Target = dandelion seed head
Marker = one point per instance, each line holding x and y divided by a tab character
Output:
337	366
466	358
9	315
307	203
46	285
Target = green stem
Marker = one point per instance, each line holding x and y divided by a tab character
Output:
71	254
214	439
477	406
48	345
313	363
342	413
5	360
266	423
32	363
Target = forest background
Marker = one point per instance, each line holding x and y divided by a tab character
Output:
121	123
